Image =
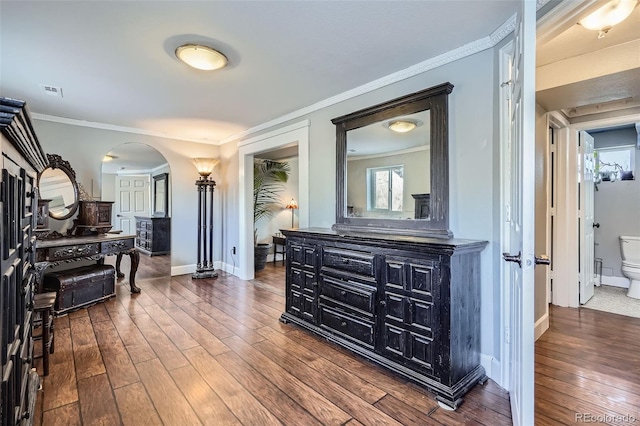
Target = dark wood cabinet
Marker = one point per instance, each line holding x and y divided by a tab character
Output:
22	158
411	304
153	235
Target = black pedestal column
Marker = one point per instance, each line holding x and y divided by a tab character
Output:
204	268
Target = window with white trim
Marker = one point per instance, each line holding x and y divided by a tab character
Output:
385	188
616	160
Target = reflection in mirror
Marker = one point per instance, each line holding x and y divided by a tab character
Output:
57	183
387	167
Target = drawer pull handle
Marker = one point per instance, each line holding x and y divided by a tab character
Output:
343	324
345	261
343	292
383	302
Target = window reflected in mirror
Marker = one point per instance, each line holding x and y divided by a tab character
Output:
387	166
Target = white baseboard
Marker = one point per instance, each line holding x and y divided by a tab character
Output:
492	368
183	270
615	281
542	325
231	269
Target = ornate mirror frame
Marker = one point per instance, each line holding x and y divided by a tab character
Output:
434	99
56	162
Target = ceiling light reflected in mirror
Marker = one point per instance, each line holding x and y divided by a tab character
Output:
612	13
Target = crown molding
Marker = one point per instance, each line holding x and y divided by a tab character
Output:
419	68
113	127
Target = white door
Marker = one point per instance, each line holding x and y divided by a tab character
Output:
132	199
521	203
587	168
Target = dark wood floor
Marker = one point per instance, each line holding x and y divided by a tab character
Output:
187	352
213	352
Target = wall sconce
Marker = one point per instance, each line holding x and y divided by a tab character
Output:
205	187
612	13
292	205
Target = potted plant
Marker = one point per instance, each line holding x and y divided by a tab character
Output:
269	178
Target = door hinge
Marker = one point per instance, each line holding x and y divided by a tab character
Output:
507	335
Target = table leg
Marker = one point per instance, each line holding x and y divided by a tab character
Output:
134	255
119	273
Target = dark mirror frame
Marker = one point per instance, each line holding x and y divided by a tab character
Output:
56	162
156	179
434	99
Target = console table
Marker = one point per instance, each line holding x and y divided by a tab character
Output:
57	251
279	240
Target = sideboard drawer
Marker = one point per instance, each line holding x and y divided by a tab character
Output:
353	295
68	252
360	330
117	246
350	261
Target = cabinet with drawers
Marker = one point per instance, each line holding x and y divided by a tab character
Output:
153	235
410	304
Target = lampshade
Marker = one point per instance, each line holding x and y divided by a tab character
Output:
612	13
402	126
292	204
205	165
201	57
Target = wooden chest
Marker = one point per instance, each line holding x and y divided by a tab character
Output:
82	286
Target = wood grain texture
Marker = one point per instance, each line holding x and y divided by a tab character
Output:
67	415
117	362
97	405
60	385
87	355
162	345
135	406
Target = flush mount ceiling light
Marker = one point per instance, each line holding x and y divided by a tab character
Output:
402	126
201	57
612	13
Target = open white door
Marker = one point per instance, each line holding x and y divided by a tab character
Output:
132	199
587	169
521	205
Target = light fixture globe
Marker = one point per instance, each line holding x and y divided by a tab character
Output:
205	166
402	126
612	13
201	57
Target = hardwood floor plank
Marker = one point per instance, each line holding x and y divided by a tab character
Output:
116	359
345	378
206	321
80	313
135	407
97	405
247	334
241	403
60	323
334	392
404	413
276	401
205	402
60	385
67	415
171	405
88	359
137	347
174	331
201	335
98	313
162	345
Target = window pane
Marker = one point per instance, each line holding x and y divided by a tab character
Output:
381	179
397	186
611	161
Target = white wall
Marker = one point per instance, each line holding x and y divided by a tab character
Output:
617	207
85	147
473	182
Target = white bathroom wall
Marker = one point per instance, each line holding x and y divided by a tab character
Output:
617	209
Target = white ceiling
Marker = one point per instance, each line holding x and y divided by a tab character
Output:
115	64
133	157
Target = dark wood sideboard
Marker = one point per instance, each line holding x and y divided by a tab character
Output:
153	235
410	304
58	251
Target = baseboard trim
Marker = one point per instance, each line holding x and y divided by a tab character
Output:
231	269
615	281
492	368
183	270
542	325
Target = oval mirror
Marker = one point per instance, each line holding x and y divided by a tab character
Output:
57	183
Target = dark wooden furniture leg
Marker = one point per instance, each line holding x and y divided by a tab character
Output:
134	255
119	273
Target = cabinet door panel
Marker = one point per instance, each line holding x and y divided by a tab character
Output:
422	280
394	340
302	257
420	315
394	307
420	351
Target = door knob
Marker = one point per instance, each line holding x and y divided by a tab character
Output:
543	259
596	225
517	258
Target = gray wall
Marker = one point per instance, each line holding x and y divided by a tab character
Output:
473	181
85	147
617	206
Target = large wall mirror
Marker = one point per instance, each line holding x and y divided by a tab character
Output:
57	183
392	166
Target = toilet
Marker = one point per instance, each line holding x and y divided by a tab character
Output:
630	250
